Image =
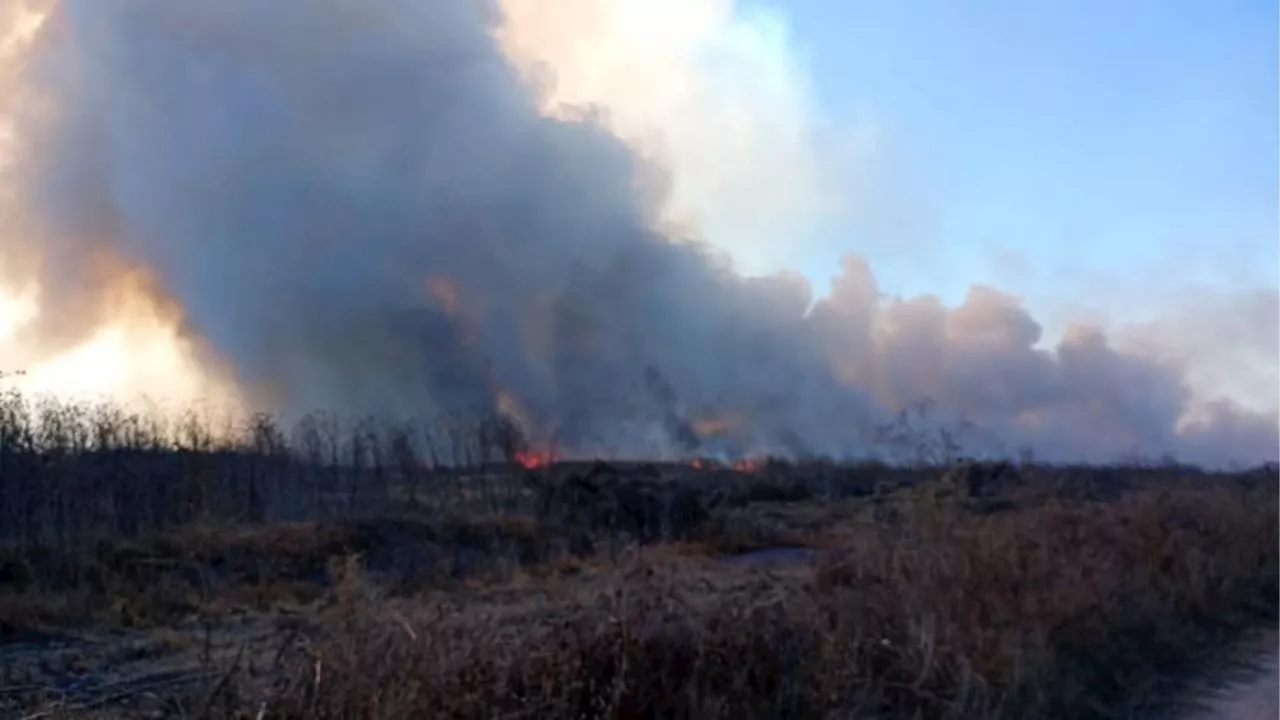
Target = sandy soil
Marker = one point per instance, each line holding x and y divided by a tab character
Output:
1255	697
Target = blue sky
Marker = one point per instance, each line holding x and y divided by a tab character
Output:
1057	147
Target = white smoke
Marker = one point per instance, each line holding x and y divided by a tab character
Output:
402	207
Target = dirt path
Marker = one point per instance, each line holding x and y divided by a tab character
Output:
1254	695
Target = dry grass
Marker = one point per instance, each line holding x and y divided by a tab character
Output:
1056	612
600	591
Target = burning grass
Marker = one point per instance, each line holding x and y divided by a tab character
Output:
601	590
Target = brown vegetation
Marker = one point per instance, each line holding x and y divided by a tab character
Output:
371	574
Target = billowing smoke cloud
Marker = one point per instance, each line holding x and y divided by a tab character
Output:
361	205
712	91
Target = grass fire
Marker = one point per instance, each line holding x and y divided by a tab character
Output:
436	571
476	359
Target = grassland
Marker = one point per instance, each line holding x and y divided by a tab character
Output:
394	572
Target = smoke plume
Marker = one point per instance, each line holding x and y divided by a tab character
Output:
366	205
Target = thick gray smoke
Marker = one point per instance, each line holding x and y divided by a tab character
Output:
358	205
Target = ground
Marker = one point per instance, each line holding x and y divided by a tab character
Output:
778	589
1244	686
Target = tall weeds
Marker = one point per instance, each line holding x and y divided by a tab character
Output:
75	473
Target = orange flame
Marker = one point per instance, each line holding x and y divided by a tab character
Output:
534	459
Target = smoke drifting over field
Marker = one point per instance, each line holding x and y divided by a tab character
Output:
363	205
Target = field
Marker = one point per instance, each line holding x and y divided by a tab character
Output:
378	572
